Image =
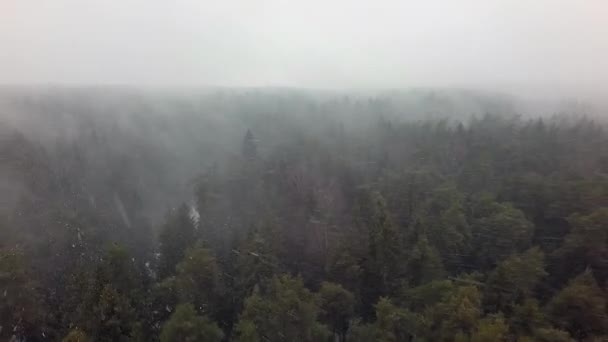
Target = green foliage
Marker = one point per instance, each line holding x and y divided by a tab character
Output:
431	230
580	308
177	234
528	317
426	295
337	307
115	317
247	332
452	311
161	301
587	243
361	333
424	264
381	263
256	262
393	323
117	268
186	326
198	280
345	267
513	279
461	311
383	237
112	297
498	231
285	311
445	225
490	329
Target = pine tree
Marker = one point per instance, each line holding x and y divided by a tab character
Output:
115	317
514	280
186	326
498	231
424	264
337	308
285	311
587	244
490	329
394	324
177	234
382	267
198	281
459	314
580	308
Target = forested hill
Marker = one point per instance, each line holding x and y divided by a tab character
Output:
284	215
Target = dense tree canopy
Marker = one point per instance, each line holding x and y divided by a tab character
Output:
252	216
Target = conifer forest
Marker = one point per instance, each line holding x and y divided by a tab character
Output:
278	214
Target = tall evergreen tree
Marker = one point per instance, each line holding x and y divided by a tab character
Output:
186	326
337	308
580	308
198	281
177	234
285	311
382	266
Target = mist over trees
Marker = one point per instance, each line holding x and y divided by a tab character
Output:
292	215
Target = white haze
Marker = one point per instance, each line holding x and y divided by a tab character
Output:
541	46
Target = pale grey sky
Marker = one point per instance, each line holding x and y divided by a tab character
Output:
308	43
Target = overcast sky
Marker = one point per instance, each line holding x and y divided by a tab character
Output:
307	43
